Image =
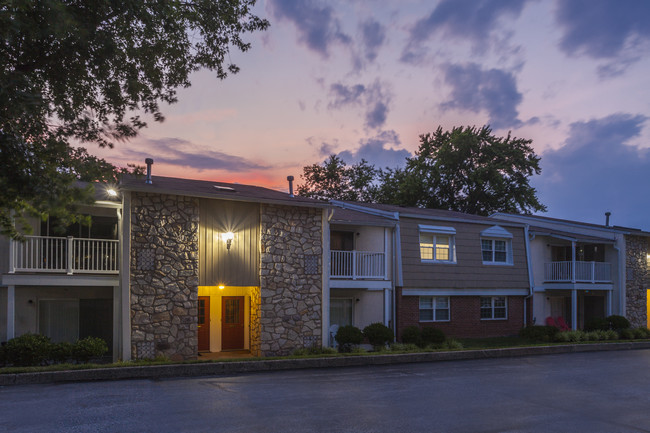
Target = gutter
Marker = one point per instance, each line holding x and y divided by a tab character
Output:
531	281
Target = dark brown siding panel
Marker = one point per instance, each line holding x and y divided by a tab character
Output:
469	270
238	266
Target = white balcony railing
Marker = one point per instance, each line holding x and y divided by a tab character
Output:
358	265
69	255
585	272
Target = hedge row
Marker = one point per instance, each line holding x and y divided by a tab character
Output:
34	350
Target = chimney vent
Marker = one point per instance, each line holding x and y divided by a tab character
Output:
290	179
149	163
607	215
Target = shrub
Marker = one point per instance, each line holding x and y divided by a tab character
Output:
539	333
399	347
432	336
597	324
88	348
570	336
314	350
626	334
28	350
347	337
378	335
3	355
642	333
412	335
452	344
610	334
61	352
618	322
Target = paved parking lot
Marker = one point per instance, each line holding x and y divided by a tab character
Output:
585	392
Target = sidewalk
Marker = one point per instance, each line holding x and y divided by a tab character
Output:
236	367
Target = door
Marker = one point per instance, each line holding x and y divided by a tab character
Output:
204	323
232	322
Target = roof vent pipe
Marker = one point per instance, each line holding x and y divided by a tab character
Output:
290	179
149	163
607	214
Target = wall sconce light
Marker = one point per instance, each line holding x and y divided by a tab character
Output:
227	238
222	287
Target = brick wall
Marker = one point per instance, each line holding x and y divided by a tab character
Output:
465	317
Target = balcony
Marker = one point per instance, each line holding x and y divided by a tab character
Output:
585	272
357	265
64	255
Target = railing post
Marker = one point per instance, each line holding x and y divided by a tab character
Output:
70	256
354	264
593	272
573	262
12	258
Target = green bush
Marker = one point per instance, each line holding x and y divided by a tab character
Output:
539	333
400	347
618	322
28	350
597	324
378	335
610	334
432	336
347	337
451	344
314	350
61	353
642	333
3	355
570	336
88	348
626	334
412	335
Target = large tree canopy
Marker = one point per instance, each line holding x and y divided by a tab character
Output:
466	169
334	179
83	71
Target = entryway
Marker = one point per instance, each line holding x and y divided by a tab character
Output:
232	322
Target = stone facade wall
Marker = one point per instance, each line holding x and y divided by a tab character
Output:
255	322
164	273
636	280
291	277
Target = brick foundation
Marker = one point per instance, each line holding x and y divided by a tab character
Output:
465	317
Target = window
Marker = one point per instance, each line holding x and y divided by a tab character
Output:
341	311
434	308
496	246
494	307
437	244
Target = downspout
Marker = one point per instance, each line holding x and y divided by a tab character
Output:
531	282
397	275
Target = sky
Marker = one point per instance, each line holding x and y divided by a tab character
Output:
364	79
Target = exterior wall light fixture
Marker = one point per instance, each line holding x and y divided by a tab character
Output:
227	238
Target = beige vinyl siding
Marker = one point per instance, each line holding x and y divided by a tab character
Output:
469	270
218	265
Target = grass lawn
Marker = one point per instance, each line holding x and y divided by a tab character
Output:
495	342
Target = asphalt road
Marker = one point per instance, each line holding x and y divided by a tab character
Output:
586	392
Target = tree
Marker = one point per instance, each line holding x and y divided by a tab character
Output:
80	72
335	180
468	170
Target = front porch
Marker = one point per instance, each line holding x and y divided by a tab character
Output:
576	306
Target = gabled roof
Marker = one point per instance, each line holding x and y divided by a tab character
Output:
569	236
215	190
422	213
569	223
353	217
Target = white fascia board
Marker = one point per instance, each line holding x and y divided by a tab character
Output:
578	224
465	292
60	280
460	220
368	210
445	230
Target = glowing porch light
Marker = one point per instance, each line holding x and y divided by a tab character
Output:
227	238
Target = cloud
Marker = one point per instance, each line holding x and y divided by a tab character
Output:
375	151
597	170
374	99
317	25
472	20
493	90
373	36
176	151
601	29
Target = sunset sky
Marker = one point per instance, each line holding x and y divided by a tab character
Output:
363	79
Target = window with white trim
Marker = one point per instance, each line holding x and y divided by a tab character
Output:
434	308
496	246
437	244
494	308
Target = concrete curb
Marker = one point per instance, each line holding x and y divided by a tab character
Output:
235	367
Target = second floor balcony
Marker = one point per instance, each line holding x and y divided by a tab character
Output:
67	255
578	272
357	265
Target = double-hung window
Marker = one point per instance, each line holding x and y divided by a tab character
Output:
437	244
496	246
494	308
434	308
